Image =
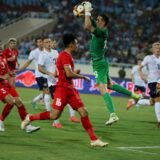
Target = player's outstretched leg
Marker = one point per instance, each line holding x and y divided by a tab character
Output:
95	142
120	89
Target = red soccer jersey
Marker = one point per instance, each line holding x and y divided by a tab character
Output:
8	53
64	59
3	69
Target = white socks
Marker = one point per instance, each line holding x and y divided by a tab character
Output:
144	102
37	98
71	111
56	121
157	110
47	102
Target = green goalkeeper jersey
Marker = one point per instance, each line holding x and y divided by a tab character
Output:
98	44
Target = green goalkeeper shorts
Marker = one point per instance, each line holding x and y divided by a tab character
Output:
101	71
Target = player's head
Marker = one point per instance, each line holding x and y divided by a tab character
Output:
39	43
70	42
102	21
156	48
46	43
1	47
12	43
53	44
139	61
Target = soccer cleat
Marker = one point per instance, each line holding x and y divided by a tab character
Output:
57	125
130	104
113	118
99	143
74	119
25	122
2	129
30	129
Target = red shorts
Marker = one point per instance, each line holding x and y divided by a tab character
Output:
6	90
64	96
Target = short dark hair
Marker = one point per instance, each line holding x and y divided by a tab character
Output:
139	59
38	38
45	37
105	18
68	38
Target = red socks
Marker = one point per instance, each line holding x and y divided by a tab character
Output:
40	116
88	127
22	112
6	110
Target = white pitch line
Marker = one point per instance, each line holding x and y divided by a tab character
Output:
136	149
139	147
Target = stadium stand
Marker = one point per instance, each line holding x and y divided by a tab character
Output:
134	25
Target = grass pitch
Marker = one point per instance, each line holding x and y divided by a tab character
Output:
135	136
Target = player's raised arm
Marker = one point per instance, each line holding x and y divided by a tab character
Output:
87	22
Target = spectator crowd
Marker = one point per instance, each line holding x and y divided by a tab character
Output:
134	25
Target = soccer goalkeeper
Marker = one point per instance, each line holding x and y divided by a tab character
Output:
98	49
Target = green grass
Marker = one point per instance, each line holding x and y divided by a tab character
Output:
136	128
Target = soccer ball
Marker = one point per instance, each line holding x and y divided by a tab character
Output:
78	10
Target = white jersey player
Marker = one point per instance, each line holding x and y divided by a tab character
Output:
152	62
139	86
47	62
46	65
33	57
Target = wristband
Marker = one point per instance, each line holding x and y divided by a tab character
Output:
87	13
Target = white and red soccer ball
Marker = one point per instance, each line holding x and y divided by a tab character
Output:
78	10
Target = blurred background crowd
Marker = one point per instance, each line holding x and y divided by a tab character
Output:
134	25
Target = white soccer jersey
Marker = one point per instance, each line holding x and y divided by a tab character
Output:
48	60
152	64
137	79
34	55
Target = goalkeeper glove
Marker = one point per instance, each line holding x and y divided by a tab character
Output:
87	7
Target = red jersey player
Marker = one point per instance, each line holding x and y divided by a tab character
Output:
9	95
65	93
11	54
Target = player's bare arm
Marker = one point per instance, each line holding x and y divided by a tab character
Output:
11	58
77	71
56	72
71	74
141	73
27	63
4	77
44	71
18	64
87	22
